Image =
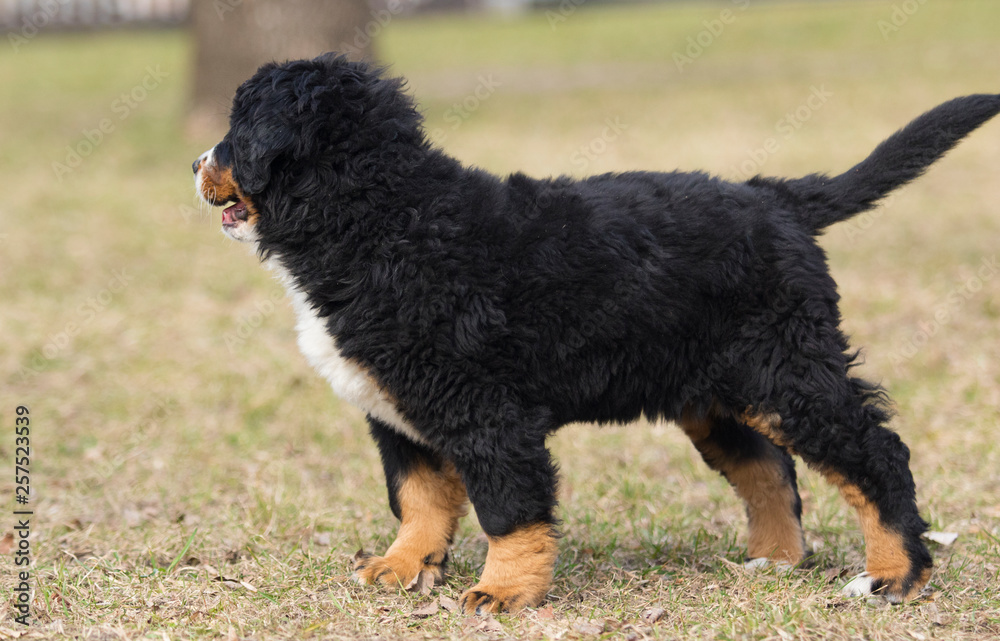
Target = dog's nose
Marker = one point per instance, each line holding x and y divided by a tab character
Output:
204	159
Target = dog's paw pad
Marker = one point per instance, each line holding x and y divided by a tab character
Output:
862	585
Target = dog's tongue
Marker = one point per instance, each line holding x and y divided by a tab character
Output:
234	213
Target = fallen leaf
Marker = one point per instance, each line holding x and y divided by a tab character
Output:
248	586
545	613
916	635
944	538
490	625
7	543
422	583
652	615
588	628
451	605
429	609
834	574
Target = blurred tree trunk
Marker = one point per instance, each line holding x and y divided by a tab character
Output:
234	37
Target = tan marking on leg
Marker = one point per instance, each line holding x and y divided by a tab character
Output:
518	571
431	502
697	428
766	425
885	550
773	530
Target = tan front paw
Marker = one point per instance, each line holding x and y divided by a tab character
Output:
482	598
408	573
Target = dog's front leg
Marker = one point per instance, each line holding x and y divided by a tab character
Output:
511	481
428	497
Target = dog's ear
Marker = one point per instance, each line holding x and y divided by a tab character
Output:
259	128
271	140
284	113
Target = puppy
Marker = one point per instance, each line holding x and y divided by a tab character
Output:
470	316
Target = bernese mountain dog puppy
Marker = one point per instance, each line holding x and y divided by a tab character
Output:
470	316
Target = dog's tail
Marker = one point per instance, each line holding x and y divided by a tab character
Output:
902	157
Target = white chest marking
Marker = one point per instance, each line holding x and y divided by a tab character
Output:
349	380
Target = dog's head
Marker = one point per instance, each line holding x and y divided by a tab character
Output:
307	138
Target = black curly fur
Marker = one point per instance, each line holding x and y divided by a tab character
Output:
494	310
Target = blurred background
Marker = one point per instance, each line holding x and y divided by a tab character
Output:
177	426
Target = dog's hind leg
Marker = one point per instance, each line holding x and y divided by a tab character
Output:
837	425
763	475
428	497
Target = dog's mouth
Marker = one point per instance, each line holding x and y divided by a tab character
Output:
235	214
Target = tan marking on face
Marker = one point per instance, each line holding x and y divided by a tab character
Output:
773	529
518	571
431	502
217	185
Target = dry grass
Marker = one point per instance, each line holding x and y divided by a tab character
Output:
181	440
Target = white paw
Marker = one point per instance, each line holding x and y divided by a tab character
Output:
860	585
762	562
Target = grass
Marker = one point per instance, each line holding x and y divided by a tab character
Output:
193	478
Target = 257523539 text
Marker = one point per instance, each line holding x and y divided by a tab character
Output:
22	494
